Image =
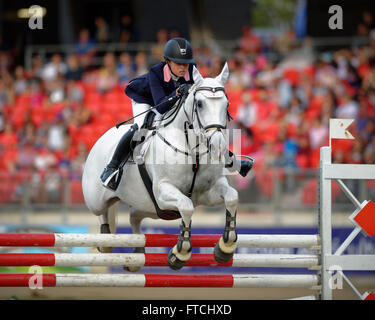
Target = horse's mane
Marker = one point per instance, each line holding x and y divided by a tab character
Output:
167	116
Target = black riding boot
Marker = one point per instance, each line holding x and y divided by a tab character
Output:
244	167
112	173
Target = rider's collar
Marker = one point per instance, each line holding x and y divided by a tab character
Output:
168	75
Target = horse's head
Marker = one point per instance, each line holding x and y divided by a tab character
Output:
207	109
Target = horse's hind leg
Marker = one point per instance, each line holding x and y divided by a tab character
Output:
136	217
108	225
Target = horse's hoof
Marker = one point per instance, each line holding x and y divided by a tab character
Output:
135	269
104	228
132	269
173	262
220	256
105	249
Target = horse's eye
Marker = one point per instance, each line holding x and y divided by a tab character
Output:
199	104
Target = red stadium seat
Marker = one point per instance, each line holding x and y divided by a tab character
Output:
292	75
18	118
37	115
22	102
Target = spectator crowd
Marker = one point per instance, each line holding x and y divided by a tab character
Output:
52	114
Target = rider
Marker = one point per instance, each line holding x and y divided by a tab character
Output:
163	85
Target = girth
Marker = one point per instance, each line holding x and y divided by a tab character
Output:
165	214
162	214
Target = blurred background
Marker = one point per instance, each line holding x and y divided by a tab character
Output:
62	87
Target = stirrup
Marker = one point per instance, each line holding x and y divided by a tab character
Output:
113	180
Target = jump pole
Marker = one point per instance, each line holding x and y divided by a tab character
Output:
162	280
156	260
153	240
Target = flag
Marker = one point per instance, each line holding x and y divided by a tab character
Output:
338	129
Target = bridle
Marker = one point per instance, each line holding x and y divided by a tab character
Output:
194	111
189	125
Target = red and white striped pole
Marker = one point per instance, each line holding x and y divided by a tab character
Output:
155	260
162	280
152	240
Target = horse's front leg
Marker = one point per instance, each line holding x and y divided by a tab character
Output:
227	244
169	197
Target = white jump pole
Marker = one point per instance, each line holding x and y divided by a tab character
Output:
155	259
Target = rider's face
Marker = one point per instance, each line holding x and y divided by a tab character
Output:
178	69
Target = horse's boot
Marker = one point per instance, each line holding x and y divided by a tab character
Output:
112	173
242	166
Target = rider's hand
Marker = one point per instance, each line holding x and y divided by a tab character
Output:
183	89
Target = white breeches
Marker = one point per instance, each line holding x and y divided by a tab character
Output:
137	109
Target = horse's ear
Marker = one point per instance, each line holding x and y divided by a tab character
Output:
224	75
197	77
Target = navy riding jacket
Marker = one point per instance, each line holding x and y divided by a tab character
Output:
157	86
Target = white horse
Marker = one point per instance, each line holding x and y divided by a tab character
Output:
168	160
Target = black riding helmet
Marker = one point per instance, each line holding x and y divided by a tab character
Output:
178	50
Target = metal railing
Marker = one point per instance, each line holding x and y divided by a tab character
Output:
222	47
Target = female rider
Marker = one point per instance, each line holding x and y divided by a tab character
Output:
163	85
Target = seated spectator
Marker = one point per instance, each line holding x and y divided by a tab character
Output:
347	109
54	68
369	156
36	68
80	116
141	63
74	70
124	40
73	92
127	28
52	184
125	68
26	156
238	80
36	186
55	90
9	158
5	62
102	32
45	159
8	137
157	49
366	24
107	76
247	113
20	82
85	48
78	161
318	134
27	134
36	93
57	135
6	98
